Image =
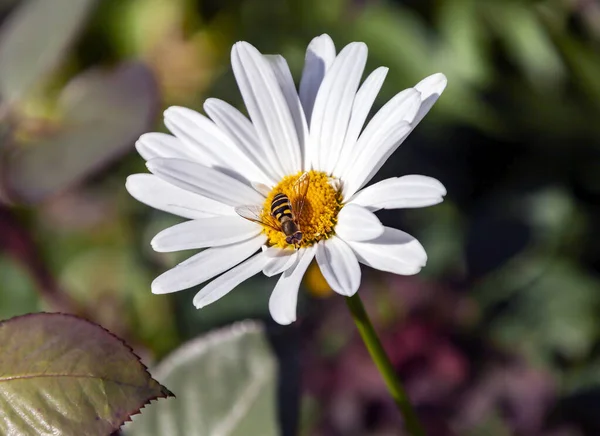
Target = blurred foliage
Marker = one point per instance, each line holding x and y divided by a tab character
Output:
22	297
499	334
227	377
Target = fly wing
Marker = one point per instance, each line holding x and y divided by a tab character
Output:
254	213
300	189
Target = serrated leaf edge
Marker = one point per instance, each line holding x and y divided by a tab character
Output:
165	392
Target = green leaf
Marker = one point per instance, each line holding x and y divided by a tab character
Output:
62	375
386	30
584	63
104	113
554	314
225	384
526	41
34	40
464	41
19	294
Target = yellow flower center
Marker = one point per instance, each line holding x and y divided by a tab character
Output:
318	216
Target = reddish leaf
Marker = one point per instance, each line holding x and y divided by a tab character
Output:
60	374
104	113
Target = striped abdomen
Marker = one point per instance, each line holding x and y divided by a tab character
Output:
281	209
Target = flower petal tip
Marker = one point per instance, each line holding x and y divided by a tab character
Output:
283	320
198	304
157	289
440	77
241	46
358	49
434	84
155	244
360	46
321	40
442	191
155	163
382	71
129	182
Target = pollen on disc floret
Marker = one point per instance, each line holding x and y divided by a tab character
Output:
319	214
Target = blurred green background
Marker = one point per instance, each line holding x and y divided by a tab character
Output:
500	333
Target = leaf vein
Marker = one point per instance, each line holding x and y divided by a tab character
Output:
59	375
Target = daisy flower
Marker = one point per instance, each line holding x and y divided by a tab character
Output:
223	169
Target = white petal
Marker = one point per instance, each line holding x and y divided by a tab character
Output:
205	265
278	264
399	110
339	266
284	298
320	54
234	123
401	192
242	132
155	192
187	133
333	106
215	147
267	107
402	107
373	161
363	102
272	252
205	181
155	144
223	284
261	188
355	223
430	88
394	251
206	232
286	83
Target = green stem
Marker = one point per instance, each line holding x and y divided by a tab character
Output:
371	340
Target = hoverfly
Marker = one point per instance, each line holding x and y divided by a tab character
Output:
285	211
